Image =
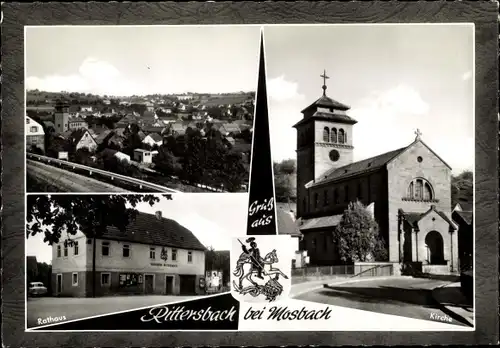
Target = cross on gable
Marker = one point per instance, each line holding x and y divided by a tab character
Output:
418	133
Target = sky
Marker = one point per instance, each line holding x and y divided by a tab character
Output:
213	218
395	78
123	61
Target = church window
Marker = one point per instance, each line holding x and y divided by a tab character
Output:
419	159
420	189
316	200
360	191
346	191
325	242
427	192
333	135
341	136
325	198
304	207
336	196
410	190
326	134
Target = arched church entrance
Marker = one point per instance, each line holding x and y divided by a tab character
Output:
435	248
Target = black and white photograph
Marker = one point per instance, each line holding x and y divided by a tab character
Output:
372	138
139	108
89	255
92	255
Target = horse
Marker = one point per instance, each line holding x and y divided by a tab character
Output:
246	272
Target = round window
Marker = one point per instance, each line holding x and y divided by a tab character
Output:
334	155
419	159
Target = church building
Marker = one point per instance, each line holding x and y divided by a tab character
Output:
407	189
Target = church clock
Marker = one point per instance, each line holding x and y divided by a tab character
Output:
334	155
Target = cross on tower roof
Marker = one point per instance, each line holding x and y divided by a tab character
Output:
324	82
418	134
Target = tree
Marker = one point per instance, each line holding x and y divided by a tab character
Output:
214	112
357	236
166	162
51	215
194	158
283	188
287	166
132	140
284	173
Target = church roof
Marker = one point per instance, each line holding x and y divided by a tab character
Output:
328	116
325	101
414	218
359	167
465	216
320	222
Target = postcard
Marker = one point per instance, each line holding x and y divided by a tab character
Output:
206	175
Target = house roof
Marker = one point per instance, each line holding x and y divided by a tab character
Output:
141	150
231	127
320	222
102	136
119	131
155	136
76	119
77	135
152	129
286	224
48	124
148	229
413	218
148	114
366	165
463	217
465	205
108	152
178	127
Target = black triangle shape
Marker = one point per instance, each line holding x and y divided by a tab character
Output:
261	221
175	317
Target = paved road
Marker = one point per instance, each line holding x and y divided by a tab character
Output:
404	296
67	181
78	308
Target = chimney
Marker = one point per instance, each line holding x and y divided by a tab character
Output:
158	215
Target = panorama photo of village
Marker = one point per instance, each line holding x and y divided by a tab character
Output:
139	123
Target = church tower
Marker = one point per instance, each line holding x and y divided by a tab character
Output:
324	142
61	117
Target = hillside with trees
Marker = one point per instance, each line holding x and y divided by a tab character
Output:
462	189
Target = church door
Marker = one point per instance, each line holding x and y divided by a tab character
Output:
434	241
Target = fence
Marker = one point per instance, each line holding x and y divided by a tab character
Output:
305	274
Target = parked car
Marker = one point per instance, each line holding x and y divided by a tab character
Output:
37	289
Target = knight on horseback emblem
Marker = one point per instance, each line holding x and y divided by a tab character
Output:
251	263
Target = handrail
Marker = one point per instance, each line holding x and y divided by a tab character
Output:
370	269
102	172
